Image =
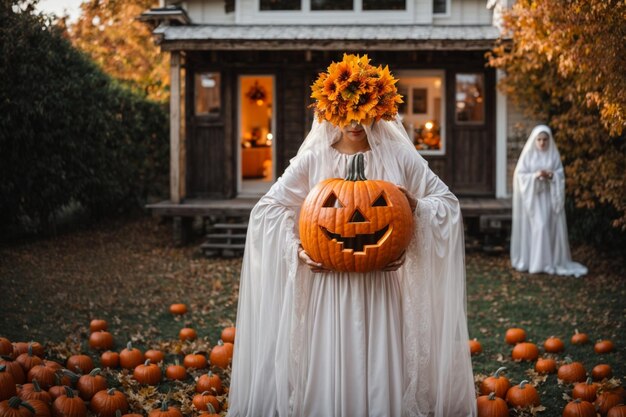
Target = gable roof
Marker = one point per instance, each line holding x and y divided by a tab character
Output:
326	37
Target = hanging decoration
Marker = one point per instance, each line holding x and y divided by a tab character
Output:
257	94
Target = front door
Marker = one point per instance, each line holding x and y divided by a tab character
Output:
256	134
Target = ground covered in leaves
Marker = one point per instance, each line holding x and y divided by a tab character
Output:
128	273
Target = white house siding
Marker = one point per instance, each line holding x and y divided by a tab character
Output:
466	12
206	11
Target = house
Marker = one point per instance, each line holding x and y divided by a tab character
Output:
241	72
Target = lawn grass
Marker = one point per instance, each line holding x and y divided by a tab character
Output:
128	272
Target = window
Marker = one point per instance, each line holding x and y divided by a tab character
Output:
470	101
332	4
440	6
281	5
384	4
207	94
423	110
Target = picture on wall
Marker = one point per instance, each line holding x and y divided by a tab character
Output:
420	101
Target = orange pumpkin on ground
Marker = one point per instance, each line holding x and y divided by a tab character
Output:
69	405
525	351
209	382
200	401
97	325
110	359
107	403
178	308
101	340
491	406
195	360
221	355
88	385
187	333
617	411
7	384
579	408
601	371
81	364
475	347
148	373
15	407
131	357
355	224
42	409
496	383
176	372
579	338
33	391
154	355
607	400
228	335
28	359
14	368
45	375
6	347
603	346
572	372
22	347
165	411
545	366
586	391
522	395
514	335
553	345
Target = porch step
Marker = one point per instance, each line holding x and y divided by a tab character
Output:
225	239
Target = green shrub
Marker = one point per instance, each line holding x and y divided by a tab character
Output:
69	134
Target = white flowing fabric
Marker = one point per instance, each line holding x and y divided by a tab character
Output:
539	241
348	344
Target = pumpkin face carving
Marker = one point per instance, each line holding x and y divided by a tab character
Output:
355	225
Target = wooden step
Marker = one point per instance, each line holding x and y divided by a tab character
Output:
208	245
229	226
226	236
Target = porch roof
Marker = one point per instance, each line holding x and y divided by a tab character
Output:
326	37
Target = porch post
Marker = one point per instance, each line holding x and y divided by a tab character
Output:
175	103
501	145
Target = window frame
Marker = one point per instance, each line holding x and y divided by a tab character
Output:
484	102
447	13
208	116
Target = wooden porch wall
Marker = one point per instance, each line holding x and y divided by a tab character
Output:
212	145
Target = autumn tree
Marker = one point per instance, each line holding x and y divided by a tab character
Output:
109	31
564	63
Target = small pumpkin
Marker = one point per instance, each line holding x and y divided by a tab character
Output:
571	372
101	340
106	403
525	351
110	359
53	364
80	364
45	375
603	346
14	368
586	391
514	335
147	373
522	395
221	355
176	372
209	382
88	385
187	334
178	309
579	408
579	338
491	406
200	401
165	411
496	383
607	400
545	366
475	347
154	355
7	384
42	409
228	334
617	411
6	347
601	371
69	405
28	359
15	407
131	357
355	224
553	345
97	325
195	360
33	391
23	347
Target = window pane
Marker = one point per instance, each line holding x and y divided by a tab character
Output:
207	93
470	102
332	4
281	4
384	4
440	6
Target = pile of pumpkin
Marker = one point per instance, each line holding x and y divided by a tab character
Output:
33	386
591	395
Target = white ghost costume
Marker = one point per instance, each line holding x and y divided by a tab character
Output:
353	344
539	242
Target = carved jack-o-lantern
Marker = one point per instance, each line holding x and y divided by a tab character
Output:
355	225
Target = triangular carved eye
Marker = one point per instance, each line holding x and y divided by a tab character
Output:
380	201
332	201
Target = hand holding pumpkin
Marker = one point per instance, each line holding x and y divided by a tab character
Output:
306	259
412	200
395	265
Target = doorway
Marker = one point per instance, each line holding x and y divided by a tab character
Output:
256	128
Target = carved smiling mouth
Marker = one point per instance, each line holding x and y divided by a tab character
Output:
358	242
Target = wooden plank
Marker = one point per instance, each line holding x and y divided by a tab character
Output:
175	178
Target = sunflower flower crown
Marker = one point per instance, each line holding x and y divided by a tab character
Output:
353	90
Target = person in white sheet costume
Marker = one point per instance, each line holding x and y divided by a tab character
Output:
539	242
385	343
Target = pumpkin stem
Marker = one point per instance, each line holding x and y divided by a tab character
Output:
69	392
522	384
499	371
74	377
589	381
118	413
357	168
37	387
15	402
492	396
129	346
147	362
164	406
3	368
210	408
111	391
95	372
